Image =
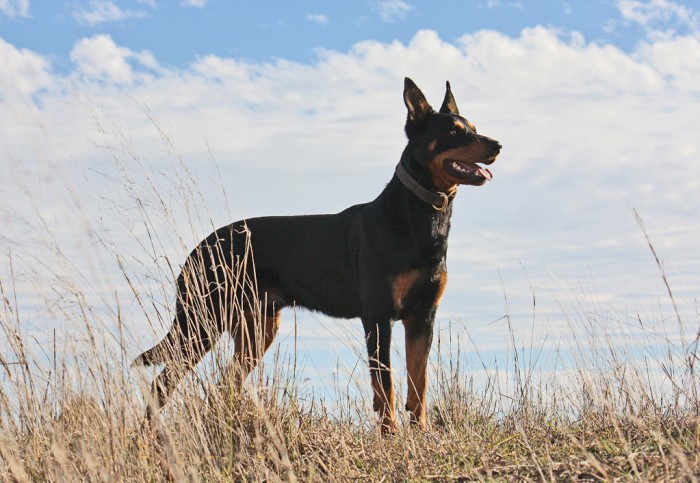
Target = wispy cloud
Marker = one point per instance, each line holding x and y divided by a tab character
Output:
14	8
517	4
101	11
392	10
194	3
659	13
318	18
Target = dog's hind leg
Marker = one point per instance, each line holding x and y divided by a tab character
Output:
251	341
185	348
196	328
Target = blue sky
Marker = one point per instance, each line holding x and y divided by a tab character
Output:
177	32
114	113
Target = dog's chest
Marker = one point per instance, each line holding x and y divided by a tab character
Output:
419	287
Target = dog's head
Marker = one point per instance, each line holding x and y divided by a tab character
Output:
444	143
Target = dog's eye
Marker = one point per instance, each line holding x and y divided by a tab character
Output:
453	132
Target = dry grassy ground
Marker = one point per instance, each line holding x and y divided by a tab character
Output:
608	427
606	413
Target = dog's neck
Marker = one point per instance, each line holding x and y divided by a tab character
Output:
417	179
428	227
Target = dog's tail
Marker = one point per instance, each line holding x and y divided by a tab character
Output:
158	354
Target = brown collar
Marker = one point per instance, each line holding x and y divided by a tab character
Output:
437	199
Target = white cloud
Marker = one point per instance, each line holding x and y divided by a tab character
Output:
101	11
14	8
23	76
318	18
653	13
392	10
99	58
23	72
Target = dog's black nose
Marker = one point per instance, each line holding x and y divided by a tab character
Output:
495	145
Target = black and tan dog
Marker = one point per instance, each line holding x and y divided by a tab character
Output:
380	261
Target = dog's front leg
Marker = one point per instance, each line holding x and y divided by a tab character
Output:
378	335
419	337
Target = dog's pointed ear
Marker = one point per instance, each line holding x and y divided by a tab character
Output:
449	105
417	105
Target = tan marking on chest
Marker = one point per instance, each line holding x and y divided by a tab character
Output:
442	284
401	285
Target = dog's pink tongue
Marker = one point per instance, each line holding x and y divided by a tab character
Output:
485	173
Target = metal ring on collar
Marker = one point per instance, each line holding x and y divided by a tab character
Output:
445	202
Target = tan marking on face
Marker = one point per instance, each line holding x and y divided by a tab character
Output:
401	286
471	126
460	125
442	179
475	152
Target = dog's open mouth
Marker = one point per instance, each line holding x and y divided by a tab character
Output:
468	172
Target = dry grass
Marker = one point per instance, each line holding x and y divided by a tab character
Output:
602	414
268	432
